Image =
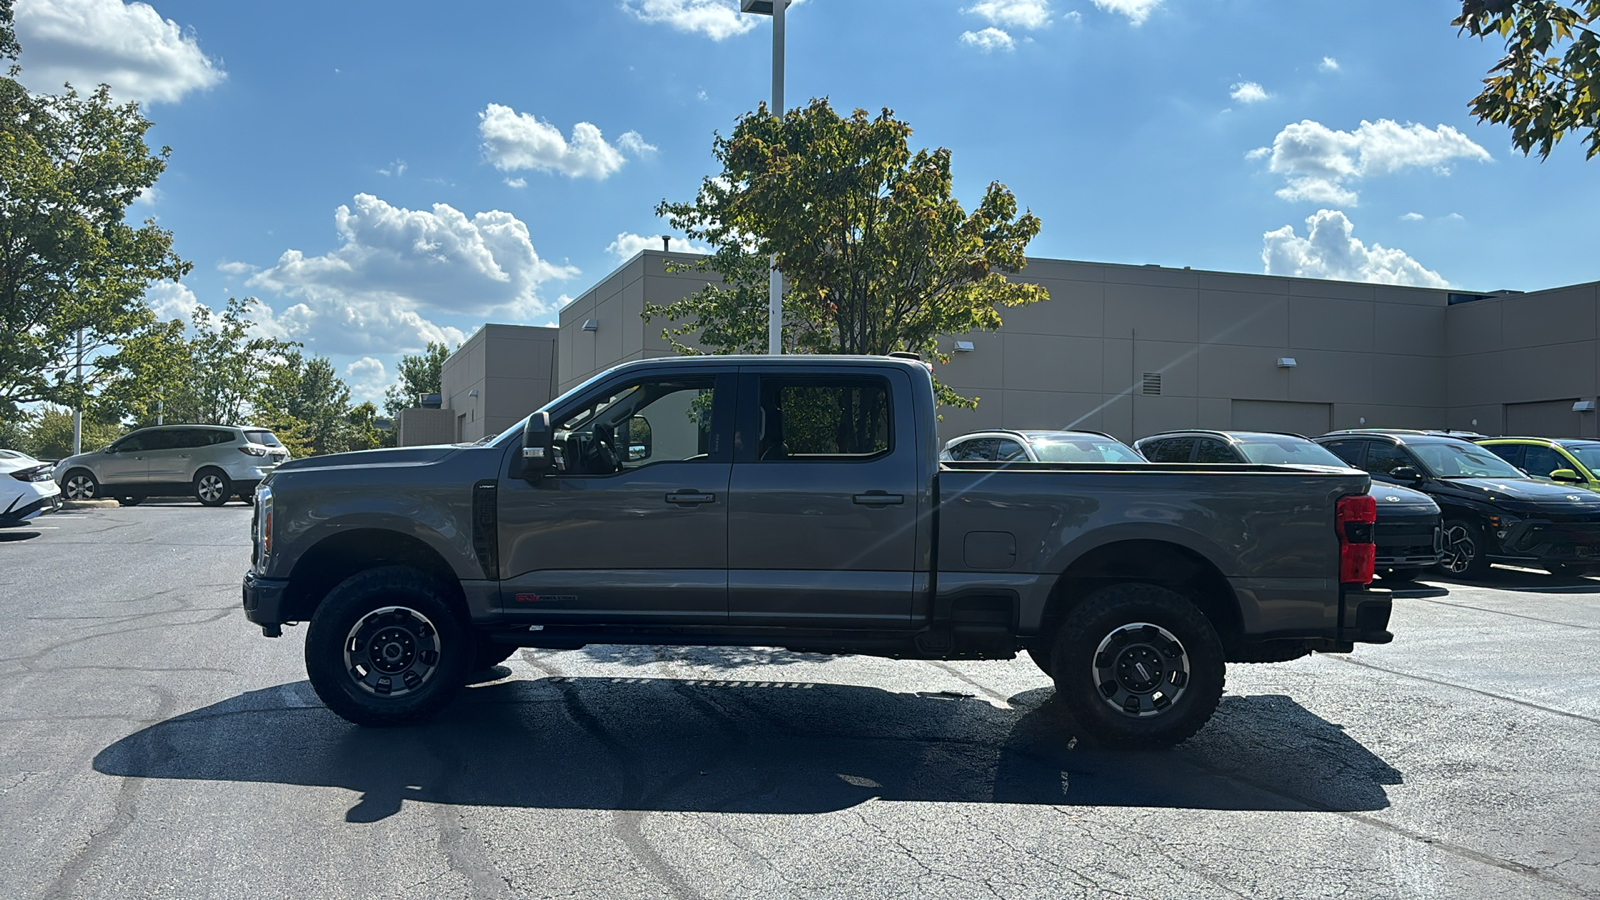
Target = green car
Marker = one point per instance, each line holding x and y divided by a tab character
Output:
1567	461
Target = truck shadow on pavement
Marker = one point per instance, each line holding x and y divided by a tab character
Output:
658	744
1524	581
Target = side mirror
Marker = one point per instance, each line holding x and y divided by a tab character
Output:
1566	475
640	443
538	446
1406	474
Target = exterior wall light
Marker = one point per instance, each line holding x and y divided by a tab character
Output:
963	347
1286	362
591	324
1583	406
472	393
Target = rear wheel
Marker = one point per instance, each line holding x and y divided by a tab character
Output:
1138	666
80	484
1463	550
388	647
130	499
212	487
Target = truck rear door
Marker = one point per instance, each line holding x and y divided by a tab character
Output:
823	499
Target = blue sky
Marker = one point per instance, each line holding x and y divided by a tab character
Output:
381	174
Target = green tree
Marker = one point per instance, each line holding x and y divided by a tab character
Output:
877	255
49	432
419	374
1541	96
306	398
70	165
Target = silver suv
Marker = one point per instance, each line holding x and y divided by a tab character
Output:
208	462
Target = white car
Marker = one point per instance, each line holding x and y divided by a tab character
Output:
26	489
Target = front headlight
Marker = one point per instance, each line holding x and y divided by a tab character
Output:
261	527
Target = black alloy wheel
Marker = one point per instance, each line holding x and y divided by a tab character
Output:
1463	550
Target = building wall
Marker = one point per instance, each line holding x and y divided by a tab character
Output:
420	427
512	368
1366	355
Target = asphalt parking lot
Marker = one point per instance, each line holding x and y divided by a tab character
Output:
155	745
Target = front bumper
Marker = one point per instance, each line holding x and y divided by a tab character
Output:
1547	540
264	602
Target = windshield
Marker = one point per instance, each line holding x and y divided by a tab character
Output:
1458	459
1588	454
1081	448
262	437
1289	451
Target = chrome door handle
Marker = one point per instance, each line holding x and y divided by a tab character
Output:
690	498
879	498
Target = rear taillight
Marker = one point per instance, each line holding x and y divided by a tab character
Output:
37	473
253	450
1353	518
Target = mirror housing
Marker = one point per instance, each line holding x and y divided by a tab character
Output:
641	441
538	446
1566	476
1406	474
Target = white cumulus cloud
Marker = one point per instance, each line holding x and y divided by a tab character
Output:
367	378
1136	10
1013	13
1317	160
716	19
1328	64
627	244
125	45
513	140
988	40
396	267
170	300
1248	92
517	183
1411	217
1331	250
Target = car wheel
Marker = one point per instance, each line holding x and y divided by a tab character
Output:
1400	576
212	487
488	654
80	484
388	647
1138	666
1463	550
130	500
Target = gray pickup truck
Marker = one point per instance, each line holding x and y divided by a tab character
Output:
799	502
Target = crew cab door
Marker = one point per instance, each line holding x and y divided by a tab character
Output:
633	524
823	501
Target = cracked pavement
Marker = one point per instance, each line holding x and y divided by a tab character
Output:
155	745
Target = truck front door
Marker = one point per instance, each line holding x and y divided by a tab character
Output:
822	522
633	525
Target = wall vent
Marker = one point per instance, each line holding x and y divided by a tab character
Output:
1152	384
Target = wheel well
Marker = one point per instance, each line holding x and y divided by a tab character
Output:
341	555
1151	562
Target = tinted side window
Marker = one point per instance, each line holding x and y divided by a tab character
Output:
163	439
839	417
218	436
1541	461
1511	453
1211	451
976	450
1173	450
1349	451
133	443
1383	458
1010	450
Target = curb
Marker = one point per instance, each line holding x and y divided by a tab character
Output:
89	504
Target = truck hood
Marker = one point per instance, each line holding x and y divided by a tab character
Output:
391	456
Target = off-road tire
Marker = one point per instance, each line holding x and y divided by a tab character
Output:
1041	658
347	610
1132	628
212	487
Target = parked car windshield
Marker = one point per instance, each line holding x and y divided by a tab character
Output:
1080	448
1451	459
262	437
1588	454
1288	451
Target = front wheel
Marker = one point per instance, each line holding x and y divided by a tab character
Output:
388	647
1463	550
80	484
1138	666
212	487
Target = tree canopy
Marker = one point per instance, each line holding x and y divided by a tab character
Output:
419	374
877	254
1541	96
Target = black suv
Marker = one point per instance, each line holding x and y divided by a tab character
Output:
1408	532
1493	512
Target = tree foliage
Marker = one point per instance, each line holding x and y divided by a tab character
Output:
70	166
308	408
419	374
47	432
1540	95
877	255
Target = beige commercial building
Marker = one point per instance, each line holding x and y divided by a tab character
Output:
1133	350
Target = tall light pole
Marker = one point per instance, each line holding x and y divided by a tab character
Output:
773	8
